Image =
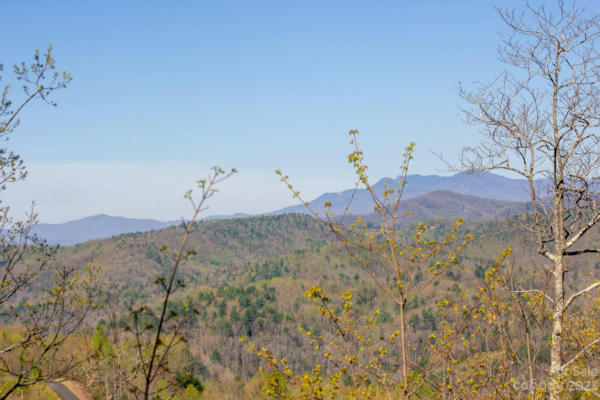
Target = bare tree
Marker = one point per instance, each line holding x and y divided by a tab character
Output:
46	302
39	81
540	120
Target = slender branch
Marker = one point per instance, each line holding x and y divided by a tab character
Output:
208	190
584	251
580	353
580	293
582	231
6	125
535	291
10	348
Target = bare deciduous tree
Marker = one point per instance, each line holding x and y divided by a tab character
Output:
57	298
540	120
39	81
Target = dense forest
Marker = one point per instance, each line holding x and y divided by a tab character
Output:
500	302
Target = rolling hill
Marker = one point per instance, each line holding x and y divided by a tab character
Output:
446	204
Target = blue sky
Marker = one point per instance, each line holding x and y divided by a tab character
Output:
164	90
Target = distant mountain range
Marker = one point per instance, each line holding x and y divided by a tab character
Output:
95	227
102	226
466	195
484	185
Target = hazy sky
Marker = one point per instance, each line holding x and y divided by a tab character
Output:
164	90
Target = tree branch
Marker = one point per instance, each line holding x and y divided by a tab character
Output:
580	353
582	231
535	291
580	293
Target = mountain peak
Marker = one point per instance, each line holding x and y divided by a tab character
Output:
484	184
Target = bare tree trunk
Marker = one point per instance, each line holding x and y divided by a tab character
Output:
557	329
558	224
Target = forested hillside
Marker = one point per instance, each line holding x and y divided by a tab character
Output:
248	278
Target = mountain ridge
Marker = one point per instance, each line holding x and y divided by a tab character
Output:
480	195
97	226
485	185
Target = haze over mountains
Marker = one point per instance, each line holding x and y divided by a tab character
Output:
468	195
